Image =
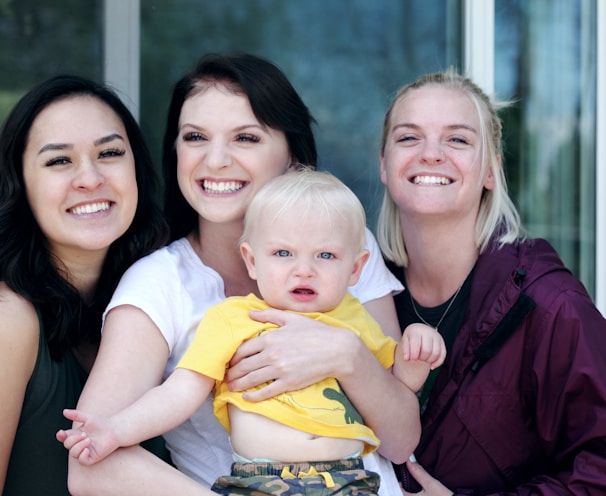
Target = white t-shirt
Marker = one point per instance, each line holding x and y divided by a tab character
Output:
174	288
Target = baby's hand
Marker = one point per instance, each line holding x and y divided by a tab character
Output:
423	343
420	350
75	441
92	441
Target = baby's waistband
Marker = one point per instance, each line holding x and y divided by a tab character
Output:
244	469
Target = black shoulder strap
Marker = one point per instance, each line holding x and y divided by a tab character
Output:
523	305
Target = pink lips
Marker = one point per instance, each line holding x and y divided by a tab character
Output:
303	294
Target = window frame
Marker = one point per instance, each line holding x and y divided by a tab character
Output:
121	63
121	49
600	262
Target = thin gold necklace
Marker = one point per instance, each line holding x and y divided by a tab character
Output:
436	327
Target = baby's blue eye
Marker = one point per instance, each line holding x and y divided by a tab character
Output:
282	253
326	255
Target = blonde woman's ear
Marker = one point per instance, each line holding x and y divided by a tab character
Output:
490	182
382	172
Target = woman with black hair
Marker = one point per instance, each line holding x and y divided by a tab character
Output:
77	208
234	123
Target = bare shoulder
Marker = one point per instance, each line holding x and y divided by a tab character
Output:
19	327
19	337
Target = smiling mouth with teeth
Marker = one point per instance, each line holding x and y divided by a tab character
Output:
222	187
90	208
431	180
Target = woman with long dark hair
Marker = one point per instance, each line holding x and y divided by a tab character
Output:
234	123
77	208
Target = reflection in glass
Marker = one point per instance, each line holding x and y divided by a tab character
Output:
545	58
41	38
345	57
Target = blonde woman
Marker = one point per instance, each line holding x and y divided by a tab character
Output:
519	406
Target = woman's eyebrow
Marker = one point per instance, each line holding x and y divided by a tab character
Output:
54	146
107	139
450	127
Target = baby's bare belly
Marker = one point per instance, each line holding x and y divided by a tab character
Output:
254	436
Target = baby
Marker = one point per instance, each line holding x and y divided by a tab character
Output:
304	244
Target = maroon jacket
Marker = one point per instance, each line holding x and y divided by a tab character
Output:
525	412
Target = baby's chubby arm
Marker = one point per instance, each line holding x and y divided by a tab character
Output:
420	350
159	410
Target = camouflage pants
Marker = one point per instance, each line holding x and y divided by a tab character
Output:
339	477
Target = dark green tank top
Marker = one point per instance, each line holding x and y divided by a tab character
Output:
38	462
